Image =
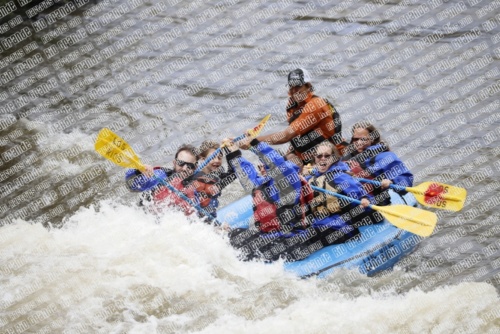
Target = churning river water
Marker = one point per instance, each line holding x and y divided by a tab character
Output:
78	256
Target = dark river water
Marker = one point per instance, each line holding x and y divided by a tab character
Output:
77	255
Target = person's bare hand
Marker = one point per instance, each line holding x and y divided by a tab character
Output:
365	202
385	183
229	143
245	143
148	170
307	169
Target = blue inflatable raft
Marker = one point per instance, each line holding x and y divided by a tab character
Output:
378	247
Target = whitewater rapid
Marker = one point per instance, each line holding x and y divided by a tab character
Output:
114	268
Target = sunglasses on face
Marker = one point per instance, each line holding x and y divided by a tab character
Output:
182	163
362	139
326	156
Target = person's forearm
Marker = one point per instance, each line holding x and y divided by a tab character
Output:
277	138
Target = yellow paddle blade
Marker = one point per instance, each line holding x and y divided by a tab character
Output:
256	130
115	149
439	195
417	221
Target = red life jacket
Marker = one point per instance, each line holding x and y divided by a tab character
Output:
306	197
359	169
165	195
266	213
206	189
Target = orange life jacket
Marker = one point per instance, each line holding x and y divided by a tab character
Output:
330	128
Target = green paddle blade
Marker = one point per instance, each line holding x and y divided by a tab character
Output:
417	221
115	149
439	195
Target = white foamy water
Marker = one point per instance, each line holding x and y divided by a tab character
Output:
116	269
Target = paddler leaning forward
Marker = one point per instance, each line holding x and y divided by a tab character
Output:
311	119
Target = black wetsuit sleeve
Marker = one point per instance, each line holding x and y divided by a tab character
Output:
226	178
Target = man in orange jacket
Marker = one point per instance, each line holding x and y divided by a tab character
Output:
311	119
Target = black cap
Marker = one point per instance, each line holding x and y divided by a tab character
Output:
298	77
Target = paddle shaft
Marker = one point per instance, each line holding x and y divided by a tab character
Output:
207	160
350	199
393	186
410	189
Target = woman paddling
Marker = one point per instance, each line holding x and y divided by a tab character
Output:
333	217
370	158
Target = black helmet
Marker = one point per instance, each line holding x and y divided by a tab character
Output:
298	77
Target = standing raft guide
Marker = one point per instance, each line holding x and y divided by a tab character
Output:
356	207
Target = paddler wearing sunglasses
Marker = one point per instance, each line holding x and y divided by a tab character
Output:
335	219
184	165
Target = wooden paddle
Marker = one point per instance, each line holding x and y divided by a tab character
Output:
414	220
433	194
253	133
118	151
